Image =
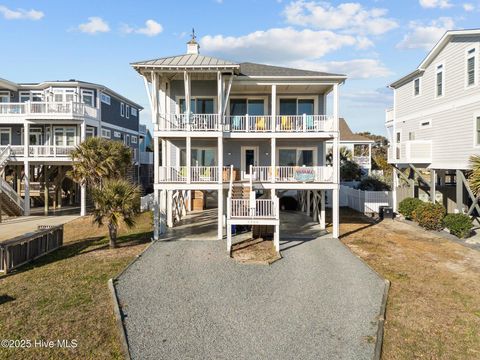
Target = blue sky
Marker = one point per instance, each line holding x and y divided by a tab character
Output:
374	42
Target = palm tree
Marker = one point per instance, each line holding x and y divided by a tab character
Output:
474	177
117	201
97	159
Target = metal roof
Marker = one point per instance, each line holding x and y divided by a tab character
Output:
347	135
187	60
7	84
259	70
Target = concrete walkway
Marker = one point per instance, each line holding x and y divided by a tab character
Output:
26	224
189	300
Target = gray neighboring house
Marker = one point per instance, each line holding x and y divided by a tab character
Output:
40	123
237	136
435	121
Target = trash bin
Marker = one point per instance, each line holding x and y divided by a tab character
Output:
387	212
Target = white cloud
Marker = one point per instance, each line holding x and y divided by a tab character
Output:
377	98
429	4
354	69
19	14
346	17
425	36
287	44
94	25
468	7
152	28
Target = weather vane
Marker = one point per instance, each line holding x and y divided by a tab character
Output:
193	34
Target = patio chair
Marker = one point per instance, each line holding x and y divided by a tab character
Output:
260	123
237	123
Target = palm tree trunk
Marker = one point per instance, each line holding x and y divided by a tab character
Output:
112	230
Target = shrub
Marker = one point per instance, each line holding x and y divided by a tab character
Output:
429	215
459	225
407	206
349	171
373	184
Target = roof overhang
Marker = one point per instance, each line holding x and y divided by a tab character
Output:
9	85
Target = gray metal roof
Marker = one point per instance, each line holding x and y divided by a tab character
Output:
188	60
8	84
254	69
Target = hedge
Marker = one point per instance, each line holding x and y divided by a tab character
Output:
459	225
429	215
407	206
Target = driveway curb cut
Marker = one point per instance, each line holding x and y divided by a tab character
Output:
116	305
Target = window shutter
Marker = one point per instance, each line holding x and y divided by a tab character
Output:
471	71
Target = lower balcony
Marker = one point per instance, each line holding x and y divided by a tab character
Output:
253	208
17	152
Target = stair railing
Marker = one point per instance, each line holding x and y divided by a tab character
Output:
12	194
5	155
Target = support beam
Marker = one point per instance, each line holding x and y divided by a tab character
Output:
433	183
26	180
163	211
307	194
169	208
156	214
156	159
276	237
322	209
274	107
189	158
219	99
459	190
335	213
220	214
45	189
273	157
83	188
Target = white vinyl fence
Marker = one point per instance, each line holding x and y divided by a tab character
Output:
366	202
146	202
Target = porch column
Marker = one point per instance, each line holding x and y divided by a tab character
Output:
273	157
276	237
220	99
83	188
220	214
26	167
459	191
45	188
274	107
433	185
169	208
156	159
335	212
322	209
156	214
220	159
307	194
162	211
188	155
187	88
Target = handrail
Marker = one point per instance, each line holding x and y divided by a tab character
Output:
230	191
4	155
12	194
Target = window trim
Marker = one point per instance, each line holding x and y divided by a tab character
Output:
127	111
117	134
419	86
134	111
105	98
314	98
104	132
178	98
475	66
133	139
88	92
122	109
9	131
6	93
476	129
298	148
264	98
437	71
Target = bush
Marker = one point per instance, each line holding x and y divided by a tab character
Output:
408	206
429	215
373	184
349	171
459	225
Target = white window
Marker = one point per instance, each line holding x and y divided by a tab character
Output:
440	81
117	134
134	139
477	131
31	96
126	140
297	156
416	87
107	134
4	96
127	111
134	112
5	136
90	132
64	136
105	98
87	97
471	76
122	109
24	96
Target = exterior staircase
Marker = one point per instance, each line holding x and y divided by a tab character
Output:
12	204
240	192
4	156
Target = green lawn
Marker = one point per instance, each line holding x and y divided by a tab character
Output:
64	295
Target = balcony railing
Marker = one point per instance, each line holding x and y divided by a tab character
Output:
49	109
198	174
17	151
194	122
248	123
303	123
258	208
293	174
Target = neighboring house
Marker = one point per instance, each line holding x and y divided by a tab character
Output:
357	148
435	121
41	123
145	159
244	132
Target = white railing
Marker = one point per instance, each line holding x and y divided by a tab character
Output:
416	151
49	151
12	194
293	174
12	108
173	174
4	155
258	208
304	123
204	174
198	174
56	109
248	123
194	122
15	150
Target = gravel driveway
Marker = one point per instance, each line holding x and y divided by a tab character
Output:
188	300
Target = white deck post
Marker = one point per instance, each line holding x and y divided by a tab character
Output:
156	159
274	108
83	188
220	214
26	165
220	191
229	238
156	214
187	87
273	157
307	194
276	237
169	208
189	159
162	211
336	167
433	185
322	209
220	99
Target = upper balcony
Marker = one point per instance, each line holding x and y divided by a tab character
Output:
47	110
411	152
246	124
38	152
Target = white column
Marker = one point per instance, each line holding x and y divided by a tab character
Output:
83	188
276	237
187	88
229	238
335	108
322	209
169	208
335	212
26	165
307	194
220	99
188	155
220	214
220	159
163	211
156	214
156	159
274	107
433	185
273	157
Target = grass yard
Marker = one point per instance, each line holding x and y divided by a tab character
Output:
433	308
64	295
